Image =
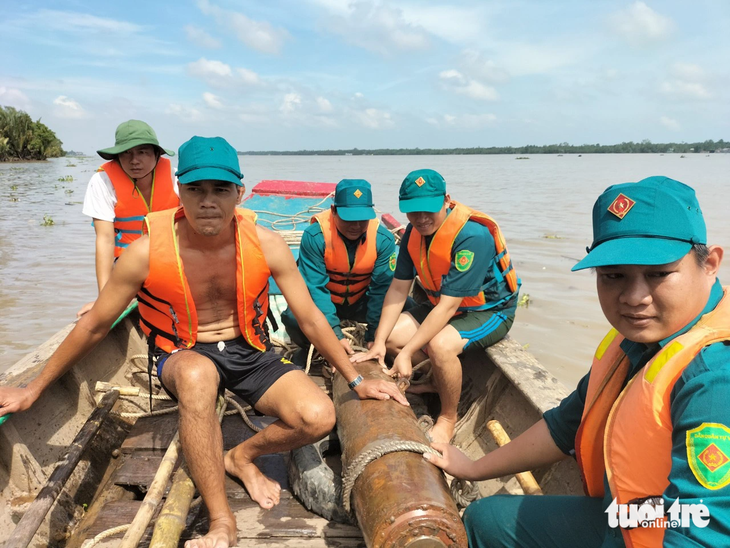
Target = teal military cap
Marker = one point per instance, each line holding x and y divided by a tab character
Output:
208	158
422	190
655	221
354	200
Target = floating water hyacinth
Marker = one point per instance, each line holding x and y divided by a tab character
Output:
47	221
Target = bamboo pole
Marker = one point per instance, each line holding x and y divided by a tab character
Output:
526	480
123	390
32	519
154	495
171	521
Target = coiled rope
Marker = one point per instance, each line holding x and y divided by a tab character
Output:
372	453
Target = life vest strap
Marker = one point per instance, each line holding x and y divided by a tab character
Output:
349	276
347	293
129	219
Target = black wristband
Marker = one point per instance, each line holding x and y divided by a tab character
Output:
354	382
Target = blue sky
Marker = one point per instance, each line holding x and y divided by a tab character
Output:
316	74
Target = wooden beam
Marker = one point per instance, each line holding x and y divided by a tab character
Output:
31	521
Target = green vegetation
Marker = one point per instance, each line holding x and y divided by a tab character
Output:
630	147
23	139
47	221
524	301
66	178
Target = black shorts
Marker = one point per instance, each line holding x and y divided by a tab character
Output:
244	370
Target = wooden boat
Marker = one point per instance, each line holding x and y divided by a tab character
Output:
118	464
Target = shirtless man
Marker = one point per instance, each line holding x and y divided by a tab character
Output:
219	278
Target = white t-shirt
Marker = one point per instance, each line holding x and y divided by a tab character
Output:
100	198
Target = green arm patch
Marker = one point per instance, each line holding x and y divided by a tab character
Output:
391	262
708	454
463	260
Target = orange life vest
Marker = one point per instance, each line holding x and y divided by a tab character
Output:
433	264
627	434
131	207
168	314
348	282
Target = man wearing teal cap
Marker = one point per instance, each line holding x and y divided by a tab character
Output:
134	181
201	274
347	259
461	258
650	422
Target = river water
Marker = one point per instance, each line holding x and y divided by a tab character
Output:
543	205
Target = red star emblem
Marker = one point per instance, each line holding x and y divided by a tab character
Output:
713	457
621	206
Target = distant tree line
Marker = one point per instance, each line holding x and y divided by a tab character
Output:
644	146
23	139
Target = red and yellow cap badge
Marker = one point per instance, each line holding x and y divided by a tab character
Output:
420	182
621	206
357	193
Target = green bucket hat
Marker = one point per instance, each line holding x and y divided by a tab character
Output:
130	134
354	200
422	190
208	158
652	222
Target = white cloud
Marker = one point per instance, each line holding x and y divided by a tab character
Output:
687	81
688	71
212	100
68	108
291	102
669	123
185	113
455	24
640	25
258	35
374	118
376	27
455	81
324	105
221	75
679	89
248	77
200	37
464	121
73	22
13	97
476	64
202	68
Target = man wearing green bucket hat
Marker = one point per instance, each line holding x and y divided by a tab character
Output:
347	259
461	258
201	275
135	181
650	423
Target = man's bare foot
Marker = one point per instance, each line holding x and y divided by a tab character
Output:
442	431
261	489
221	534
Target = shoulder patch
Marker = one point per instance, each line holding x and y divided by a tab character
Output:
708	454
463	260
391	262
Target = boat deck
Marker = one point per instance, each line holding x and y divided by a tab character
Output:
287	524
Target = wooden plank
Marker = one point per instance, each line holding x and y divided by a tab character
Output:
114	514
287	520
151	433
540	389
138	469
